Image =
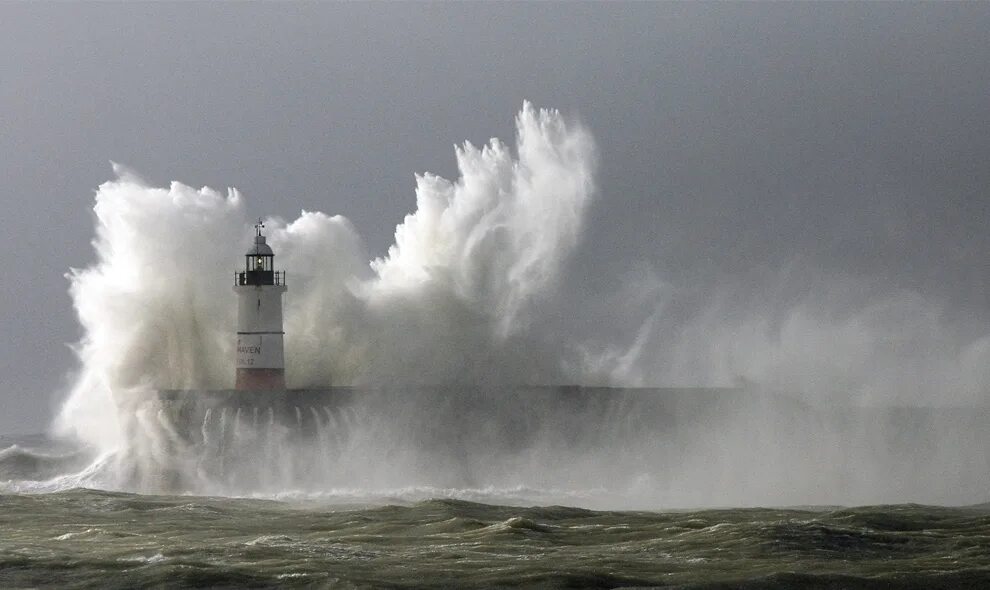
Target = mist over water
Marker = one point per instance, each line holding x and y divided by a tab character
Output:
465	307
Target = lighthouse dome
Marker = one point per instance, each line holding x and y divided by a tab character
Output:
260	247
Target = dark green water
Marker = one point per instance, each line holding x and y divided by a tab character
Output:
85	538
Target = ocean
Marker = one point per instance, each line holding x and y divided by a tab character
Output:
58	536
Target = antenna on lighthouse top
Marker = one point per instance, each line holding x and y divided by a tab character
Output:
259	226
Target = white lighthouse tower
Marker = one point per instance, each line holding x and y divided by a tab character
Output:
259	288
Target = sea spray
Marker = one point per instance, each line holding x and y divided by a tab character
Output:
441	330
450	301
154	307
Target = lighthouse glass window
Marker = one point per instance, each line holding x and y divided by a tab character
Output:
259	263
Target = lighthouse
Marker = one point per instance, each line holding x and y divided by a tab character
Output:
259	288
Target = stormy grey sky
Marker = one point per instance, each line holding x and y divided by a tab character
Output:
845	140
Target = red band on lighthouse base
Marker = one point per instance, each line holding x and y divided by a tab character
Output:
260	379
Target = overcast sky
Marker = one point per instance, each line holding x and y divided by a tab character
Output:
735	139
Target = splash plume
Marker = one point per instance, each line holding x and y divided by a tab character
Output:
467	268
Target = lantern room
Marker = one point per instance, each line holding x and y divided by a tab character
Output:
259	266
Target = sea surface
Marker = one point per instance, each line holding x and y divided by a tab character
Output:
86	538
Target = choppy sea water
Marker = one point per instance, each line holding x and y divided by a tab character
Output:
87	538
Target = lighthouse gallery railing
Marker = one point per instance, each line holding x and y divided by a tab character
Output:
259	277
